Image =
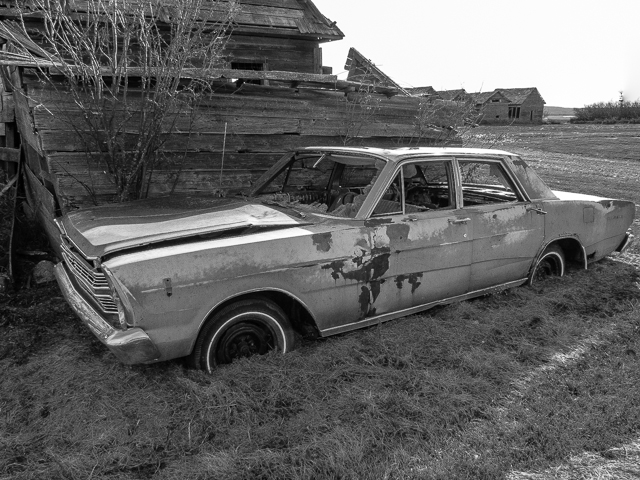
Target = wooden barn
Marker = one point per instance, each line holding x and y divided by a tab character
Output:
492	106
510	106
526	105
271	94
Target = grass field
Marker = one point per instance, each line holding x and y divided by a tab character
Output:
530	383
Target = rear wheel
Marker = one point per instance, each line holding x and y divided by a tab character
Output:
242	329
550	264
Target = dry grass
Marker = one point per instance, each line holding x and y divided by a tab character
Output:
464	392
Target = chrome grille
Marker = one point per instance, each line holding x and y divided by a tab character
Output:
91	280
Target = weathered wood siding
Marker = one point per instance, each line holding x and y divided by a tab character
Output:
290	55
532	109
262	123
495	112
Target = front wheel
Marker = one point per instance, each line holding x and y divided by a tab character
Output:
550	264
242	329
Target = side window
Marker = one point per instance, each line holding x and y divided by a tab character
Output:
428	186
419	187
391	201
484	183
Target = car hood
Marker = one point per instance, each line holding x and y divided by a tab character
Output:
111	228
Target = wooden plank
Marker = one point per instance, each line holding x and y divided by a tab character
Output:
42	196
269	43
179	142
8	154
196	161
9	184
8	108
294	4
24	119
252	14
43	203
198	125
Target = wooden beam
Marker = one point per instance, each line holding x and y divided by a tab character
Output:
8	154
8	108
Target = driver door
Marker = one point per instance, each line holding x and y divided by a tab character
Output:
430	240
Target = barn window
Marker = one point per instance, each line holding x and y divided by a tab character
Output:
514	112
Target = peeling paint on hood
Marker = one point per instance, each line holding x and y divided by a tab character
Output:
103	230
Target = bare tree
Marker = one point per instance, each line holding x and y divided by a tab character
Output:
131	69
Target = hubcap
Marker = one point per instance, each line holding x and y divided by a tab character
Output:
244	340
546	268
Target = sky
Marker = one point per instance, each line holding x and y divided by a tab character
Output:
576	52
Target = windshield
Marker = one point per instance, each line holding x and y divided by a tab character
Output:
322	182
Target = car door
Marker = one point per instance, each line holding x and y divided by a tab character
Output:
429	238
507	228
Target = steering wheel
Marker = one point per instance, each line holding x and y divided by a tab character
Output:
395	194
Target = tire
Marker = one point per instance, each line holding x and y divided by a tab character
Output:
242	329
550	264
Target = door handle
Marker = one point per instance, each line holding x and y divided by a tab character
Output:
459	221
539	211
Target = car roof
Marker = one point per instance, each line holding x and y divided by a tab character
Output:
397	154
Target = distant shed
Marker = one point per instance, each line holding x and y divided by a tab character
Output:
493	106
526	105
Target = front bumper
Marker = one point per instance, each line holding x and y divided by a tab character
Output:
629	240
129	346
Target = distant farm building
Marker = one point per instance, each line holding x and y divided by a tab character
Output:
501	106
459	95
510	106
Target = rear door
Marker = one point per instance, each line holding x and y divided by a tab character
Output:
507	228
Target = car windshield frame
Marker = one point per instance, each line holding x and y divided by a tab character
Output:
341	159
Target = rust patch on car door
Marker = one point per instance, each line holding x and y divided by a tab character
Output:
369	266
414	281
398	233
322	241
367	269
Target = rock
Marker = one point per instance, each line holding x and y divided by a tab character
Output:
43	272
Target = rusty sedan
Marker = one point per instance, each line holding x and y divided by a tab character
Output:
328	240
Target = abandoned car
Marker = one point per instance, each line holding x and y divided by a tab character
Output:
328	240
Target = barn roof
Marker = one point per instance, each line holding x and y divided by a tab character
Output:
363	70
518	95
453	94
286	17
484	97
422	91
280	18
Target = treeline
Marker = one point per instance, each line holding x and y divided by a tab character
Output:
609	112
